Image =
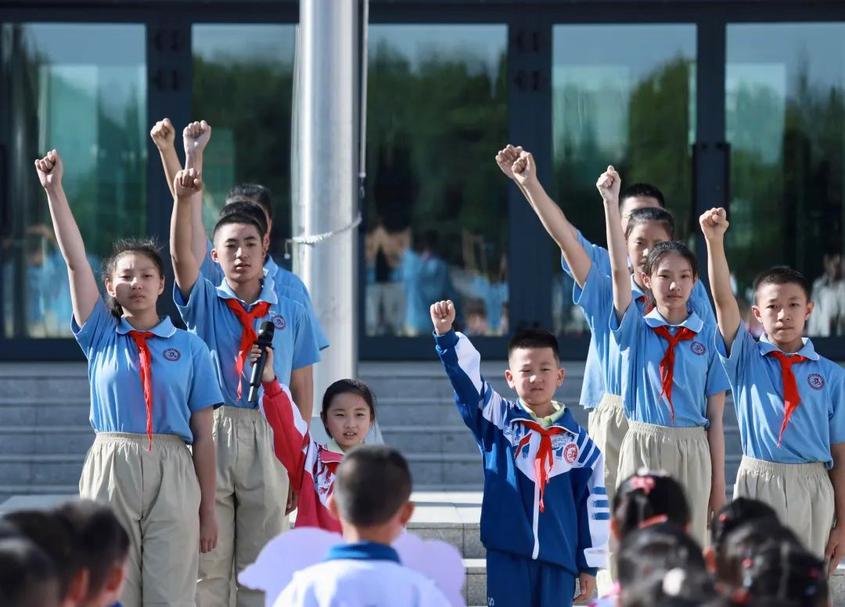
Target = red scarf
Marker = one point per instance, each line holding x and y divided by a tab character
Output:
791	397
146	372
667	363
248	335
544	459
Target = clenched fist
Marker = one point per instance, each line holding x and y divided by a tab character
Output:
442	316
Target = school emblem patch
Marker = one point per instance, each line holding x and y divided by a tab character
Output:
698	348
172	354
279	322
816	381
570	453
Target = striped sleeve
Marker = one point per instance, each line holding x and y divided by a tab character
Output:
291	440
593	509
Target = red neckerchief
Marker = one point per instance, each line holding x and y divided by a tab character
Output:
543	460
667	363
146	373
791	396
248	335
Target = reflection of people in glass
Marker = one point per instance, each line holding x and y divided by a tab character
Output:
385	300
425	276
486	286
829	297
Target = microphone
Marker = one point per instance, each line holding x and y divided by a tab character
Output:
265	339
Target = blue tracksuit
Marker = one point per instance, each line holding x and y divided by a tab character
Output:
542	537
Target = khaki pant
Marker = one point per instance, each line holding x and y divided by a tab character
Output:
607	426
156	497
801	494
683	453
252	488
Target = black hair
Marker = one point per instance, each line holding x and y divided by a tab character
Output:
255	192
736	513
657	549
649	215
54	536
144	246
782	275
669	247
242	219
347	386
642	190
101	540
744	542
372	483
533	338
677	587
27	575
245	206
784	570
648	497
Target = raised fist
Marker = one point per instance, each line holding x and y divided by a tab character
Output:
714	223
163	134
524	169
506	157
186	183
609	183
442	316
50	170
195	137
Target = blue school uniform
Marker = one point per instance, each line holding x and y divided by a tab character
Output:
182	376
817	423
206	313
562	525
698	373
287	284
593	386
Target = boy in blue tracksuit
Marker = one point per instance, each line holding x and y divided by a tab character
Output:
544	516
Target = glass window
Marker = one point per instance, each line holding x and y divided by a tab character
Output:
622	95
785	121
250	140
436	203
82	89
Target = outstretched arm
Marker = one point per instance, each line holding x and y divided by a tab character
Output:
608	185
164	135
195	138
714	224
83	286
188	187
524	173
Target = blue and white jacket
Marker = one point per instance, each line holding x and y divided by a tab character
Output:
567	521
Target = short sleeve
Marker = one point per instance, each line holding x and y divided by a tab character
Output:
96	329
204	391
198	306
717	377
305	347
837	413
743	345
625	330
209	269
596	296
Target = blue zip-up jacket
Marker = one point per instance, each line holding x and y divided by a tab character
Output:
571	530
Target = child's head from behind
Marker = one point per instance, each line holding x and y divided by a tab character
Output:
28	577
133	276
638	196
655	550
239	247
647	226
670	273
677	587
348	412
740	511
534	366
742	543
782	570
103	548
645	499
372	492
782	304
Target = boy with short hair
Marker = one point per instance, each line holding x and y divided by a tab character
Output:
371	498
545	514
790	401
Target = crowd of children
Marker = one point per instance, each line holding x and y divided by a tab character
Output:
189	478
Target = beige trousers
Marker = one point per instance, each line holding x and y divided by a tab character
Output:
684	453
801	494
156	497
252	488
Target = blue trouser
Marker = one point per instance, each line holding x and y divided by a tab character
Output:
518	581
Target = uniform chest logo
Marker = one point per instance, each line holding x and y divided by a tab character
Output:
172	354
570	453
279	322
816	381
697	348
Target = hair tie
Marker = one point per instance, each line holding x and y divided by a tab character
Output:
653	520
723	517
673	581
643	483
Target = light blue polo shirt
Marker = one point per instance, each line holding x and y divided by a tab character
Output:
205	313
698	373
817	423
182	376
593	385
287	284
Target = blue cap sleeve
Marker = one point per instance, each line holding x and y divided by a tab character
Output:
98	327
204	390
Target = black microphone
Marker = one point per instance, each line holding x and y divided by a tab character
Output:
265	340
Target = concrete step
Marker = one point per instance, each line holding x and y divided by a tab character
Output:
45	440
42	469
54	411
451	439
